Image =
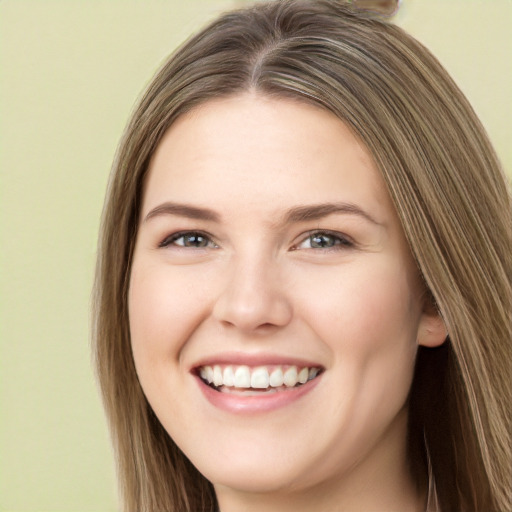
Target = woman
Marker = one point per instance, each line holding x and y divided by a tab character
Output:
303	287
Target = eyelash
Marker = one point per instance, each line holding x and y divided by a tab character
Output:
172	239
339	241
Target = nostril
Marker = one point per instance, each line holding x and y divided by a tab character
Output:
253	311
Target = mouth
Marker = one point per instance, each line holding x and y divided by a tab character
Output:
249	381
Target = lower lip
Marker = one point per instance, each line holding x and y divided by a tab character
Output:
256	404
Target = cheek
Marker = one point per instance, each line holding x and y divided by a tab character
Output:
368	305
369	318
164	306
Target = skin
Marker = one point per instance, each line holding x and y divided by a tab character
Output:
260	286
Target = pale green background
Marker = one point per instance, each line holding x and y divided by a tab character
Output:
70	73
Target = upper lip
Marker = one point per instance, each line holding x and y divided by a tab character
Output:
253	360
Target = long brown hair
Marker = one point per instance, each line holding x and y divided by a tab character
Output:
448	190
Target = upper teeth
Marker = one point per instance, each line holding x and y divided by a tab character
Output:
260	377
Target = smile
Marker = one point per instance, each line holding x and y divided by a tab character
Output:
253	381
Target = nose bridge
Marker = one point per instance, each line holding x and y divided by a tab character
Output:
254	294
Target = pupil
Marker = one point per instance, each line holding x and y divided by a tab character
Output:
195	241
322	241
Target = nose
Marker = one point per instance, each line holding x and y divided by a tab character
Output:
254	298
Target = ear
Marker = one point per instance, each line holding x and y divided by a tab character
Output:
432	329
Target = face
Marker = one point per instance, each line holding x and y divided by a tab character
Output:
275	310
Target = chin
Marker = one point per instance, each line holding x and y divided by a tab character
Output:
260	479
266	468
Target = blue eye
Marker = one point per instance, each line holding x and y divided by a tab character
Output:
189	239
324	240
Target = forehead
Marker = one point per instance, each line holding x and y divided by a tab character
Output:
251	150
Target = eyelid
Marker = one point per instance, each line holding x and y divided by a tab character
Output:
346	241
169	239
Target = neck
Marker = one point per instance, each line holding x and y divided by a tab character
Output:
381	481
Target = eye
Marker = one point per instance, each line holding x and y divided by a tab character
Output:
324	240
189	239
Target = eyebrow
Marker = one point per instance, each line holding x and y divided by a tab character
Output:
318	211
183	210
294	215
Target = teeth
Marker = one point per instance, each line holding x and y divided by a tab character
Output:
242	377
261	377
229	376
290	376
217	376
276	378
303	376
206	373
